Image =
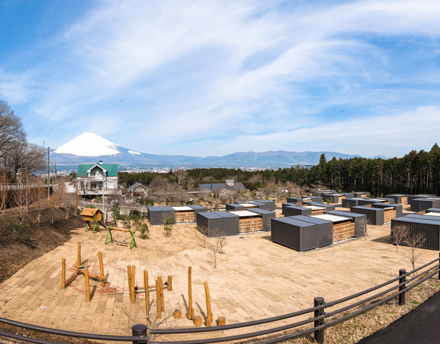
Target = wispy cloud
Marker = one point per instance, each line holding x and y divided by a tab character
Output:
199	77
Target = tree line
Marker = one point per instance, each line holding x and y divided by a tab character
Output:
18	157
416	172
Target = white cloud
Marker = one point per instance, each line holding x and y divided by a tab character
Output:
244	71
390	135
14	88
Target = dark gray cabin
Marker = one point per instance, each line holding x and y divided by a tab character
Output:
397	207
428	226
156	215
266	215
296	234
221	221
398	198
357	218
376	216
295	210
421	204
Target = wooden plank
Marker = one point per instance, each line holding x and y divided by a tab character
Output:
190	312
209	316
78	257
389	214
63	273
250	225
184	217
86	274
147	293
338	224
101	269
343	232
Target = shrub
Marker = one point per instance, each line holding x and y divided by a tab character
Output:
18	231
142	227
116	211
168	225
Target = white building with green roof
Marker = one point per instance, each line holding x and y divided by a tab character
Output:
93	178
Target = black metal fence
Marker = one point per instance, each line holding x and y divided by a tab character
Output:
321	311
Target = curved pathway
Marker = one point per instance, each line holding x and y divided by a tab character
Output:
420	326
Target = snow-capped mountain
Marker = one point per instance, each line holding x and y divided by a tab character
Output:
88	144
90	148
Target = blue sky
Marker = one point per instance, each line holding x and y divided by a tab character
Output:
216	77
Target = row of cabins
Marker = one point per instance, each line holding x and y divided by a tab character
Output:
240	217
337	198
377	210
303	233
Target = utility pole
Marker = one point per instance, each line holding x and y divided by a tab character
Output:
104	185
48	172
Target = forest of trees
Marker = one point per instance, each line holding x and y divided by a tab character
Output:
18	157
416	172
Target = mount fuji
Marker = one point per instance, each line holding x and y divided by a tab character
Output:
90	148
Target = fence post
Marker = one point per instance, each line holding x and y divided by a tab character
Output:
139	330
319	334
438	266
402	287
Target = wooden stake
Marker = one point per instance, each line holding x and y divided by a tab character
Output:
190	313
78	258
63	273
209	317
159	308
197	320
162	303
147	292
129	280
170	283
86	274
221	321
133	282
101	269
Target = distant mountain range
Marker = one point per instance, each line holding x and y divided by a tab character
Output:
90	148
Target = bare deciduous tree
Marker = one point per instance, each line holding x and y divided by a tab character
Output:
11	128
76	199
363	224
181	176
398	235
215	250
4	192
220	239
415	242
41	201
202	233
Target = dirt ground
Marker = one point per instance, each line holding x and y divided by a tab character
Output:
254	277
18	249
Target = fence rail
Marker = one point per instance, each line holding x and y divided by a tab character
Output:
24	186
320	313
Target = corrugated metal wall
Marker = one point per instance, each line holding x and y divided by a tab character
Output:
374	215
420	204
349	202
295	210
156	214
430	230
267	217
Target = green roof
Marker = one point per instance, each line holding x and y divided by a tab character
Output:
112	169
